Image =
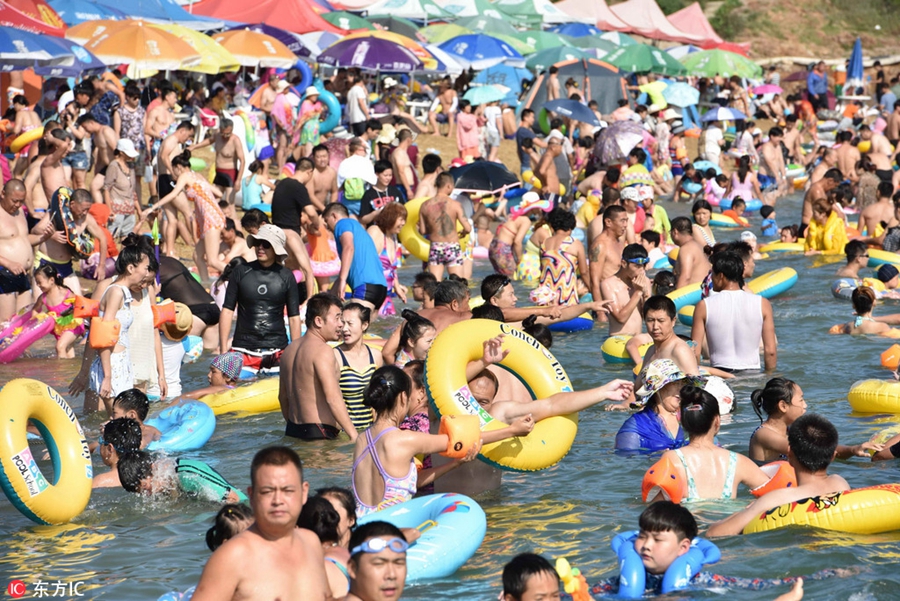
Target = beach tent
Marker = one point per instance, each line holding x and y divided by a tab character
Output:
471	8
595	12
295	16
645	18
32	15
417	10
600	81
532	13
691	20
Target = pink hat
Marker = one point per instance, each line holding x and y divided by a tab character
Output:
531	201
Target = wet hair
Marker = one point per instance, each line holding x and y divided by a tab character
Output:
682	225
344	497
253	218
318	306
448	291
765	400
256	166
664	282
885	189
699	410
304	164
335	207
184	124
320	516
424	277
49	271
538	331
652	237
666	516
855	249
700	205
612	211
415	369
863	299
519	570
430	163
609	198
491	285
123	433
561	220
231	520
389	215
660	303
275	455
414	328
133	400
386	385
372	530
792	229
365	314
488	311
634	251
133	467
730	265
813	440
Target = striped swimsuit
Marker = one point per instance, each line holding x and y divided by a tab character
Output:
353	384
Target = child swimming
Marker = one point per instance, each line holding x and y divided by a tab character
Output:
134	404
140	473
224	372
120	435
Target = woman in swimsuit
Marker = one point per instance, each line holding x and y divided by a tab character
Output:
415	338
710	471
384	232
863	304
703	234
505	250
57	298
563	259
358	362
320	516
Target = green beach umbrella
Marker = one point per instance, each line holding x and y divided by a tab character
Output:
641	58
484	94
346	20
544	40
397	25
515	41
488	25
544	59
438	34
595	43
618	38
720	62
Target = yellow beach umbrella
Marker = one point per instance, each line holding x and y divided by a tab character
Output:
142	46
252	49
428	60
214	58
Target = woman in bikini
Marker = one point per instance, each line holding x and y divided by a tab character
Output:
864	302
384	233
358	362
505	250
703	234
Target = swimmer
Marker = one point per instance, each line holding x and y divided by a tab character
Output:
529	577
659	317
139	473
497	290
342	501
224	372
119	436
377	565
864	302
857	258
628	288
656	426
231	520
56	297
134	404
789	234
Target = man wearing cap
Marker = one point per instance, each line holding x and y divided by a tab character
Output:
627	289
229	159
261	291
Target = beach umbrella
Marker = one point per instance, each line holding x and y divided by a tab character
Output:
616	141
83	62
855	68
504	75
573	110
796	76
317	41
542	40
636	175
214	58
681	94
483	176
21	49
141	46
443	32
679	52
482	51
488	25
86	30
576	30
544	60
710	63
517	44
618	38
768	88
723	113
74	12
293	41
452	64
371	54
252	48
397	25
641	58
348	21
594	43
419	51
478	95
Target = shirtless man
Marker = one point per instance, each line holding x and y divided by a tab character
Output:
53	174
16	254
829	160
627	289
793	139
546	169
159	121
103	140
230	160
692	265
893	125
879	152
772	178
848	156
309	393
659	316
553	83
273	559
322	187
606	248
172	146
403	167
880	211
818	191
438	218
233	244
431	168
26	120
35	199
448	101
60	254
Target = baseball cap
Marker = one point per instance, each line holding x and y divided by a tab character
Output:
272	234
126	147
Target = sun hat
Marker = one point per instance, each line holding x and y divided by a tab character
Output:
531	200
229	364
657	375
311	91
630	193
126	147
272	234
184	320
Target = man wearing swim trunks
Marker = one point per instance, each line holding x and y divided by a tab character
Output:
60	253
772	177
229	159
880	153
360	265
103	140
309	391
16	254
172	146
438	218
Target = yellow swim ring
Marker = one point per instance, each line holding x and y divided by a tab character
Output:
528	360
875	396
786	247
26	138
613	349
257	397
40	500
417	244
860	511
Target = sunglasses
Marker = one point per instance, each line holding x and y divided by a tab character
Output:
263	244
377	545
638	260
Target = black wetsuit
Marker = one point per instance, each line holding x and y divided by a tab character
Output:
177	283
261	295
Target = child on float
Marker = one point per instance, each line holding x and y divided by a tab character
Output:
864	300
140	473
736	212
119	436
134	404
782	403
55	297
231	520
224	372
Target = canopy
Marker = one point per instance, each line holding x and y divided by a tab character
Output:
533	12
296	15
214	58
25	14
418	10
691	19
471	8
595	12
600	81
645	18
78	11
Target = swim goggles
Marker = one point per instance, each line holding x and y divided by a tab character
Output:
638	260
377	545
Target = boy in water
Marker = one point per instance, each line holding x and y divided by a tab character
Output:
529	577
139	473
224	372
134	404
120	436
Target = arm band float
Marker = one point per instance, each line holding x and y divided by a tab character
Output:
104	334
464	433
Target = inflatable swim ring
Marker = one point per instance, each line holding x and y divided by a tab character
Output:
334	111
613	350
577	324
44	502
186	426
178	596
686	315
878	257
633	576
261	206
781	475
452	525
417	245
753	205
22	336
719	220
770	285
256	397
193	348
875	396
704	165
26	138
783	247
663	263
323	254
686	295
480	252
869	510
82	244
794	170
198	164
800	182
249	132
534	365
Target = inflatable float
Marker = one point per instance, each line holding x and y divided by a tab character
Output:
783	247
453	527
773	283
890	359
875	396
633	575
869	510
794	170
534	365
23	331
193	348
724	221
577	324
753	205
45	502
417	244
81	244
664	478
686	315
686	295
878	257
186	426
256	397
25	138
842	288
613	350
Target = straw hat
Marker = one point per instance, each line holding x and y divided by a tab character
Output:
184	319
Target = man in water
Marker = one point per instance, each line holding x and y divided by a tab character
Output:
229	159
628	288
60	253
848	156
273	559
606	248
404	171
659	316
772	176
880	152
16	254
818	191
377	564
360	265
881	211
812	443
691	266
322	187
291	208
309	393
261	291
170	147
857	258
438	218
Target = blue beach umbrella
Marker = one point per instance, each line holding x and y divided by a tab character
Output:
723	113
482	51
83	63
572	109
855	68
681	94
576	30
504	75
21	49
478	95
74	12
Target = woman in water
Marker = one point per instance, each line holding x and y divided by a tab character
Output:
864	301
342	501
358	362
563	259
258	188
743	182
384	232
55	297
826	233
709	471
415	338
320	516
789	234
703	234
656	427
